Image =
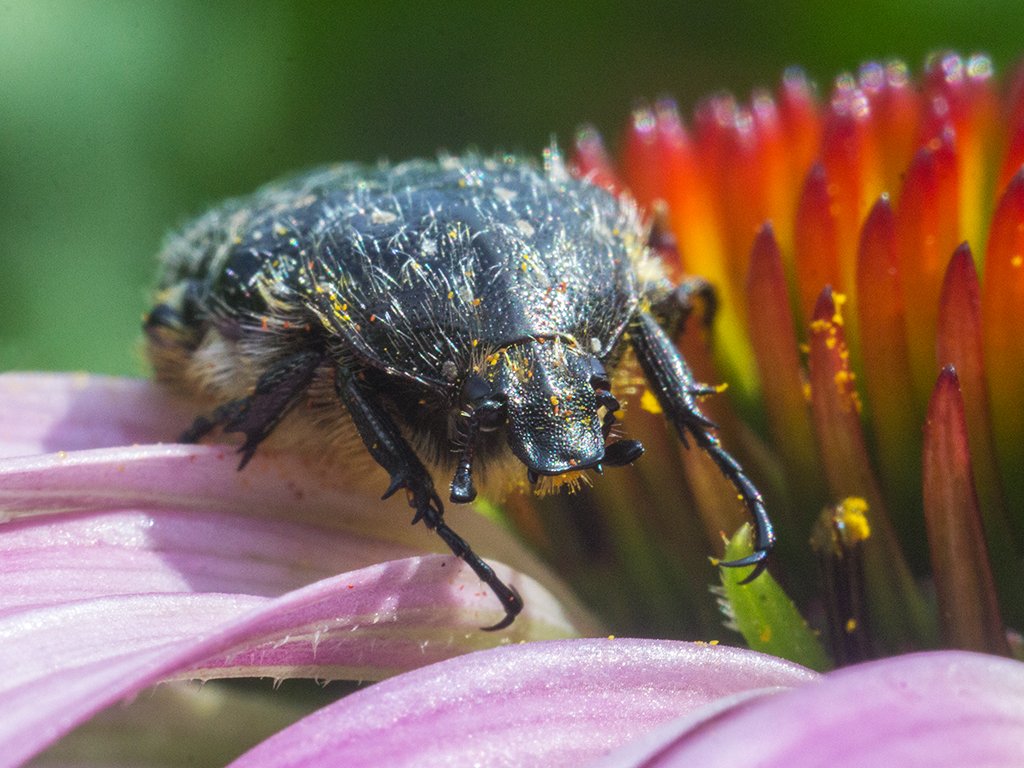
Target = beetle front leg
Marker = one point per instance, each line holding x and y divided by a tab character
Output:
389	448
670	378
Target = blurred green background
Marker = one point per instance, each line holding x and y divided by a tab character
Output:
118	120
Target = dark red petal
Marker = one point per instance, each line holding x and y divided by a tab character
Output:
964	586
590	160
817	250
894	415
896	105
960	344
927	232
1002	309
641	163
898	610
773	337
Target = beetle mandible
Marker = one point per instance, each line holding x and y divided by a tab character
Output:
471	307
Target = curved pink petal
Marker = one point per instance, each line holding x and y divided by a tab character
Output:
932	710
49	412
124	565
95	427
56	559
558	703
64	661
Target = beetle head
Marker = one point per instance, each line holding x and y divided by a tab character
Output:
548	395
551	407
552	394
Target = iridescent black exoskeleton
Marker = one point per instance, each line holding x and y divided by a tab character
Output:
471	307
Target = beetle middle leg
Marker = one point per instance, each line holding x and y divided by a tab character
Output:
670	378
389	448
693	294
277	391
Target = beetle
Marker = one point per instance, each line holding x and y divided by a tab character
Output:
465	312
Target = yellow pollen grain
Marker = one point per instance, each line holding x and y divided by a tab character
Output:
765	635
839	299
649	402
853	517
851	625
1016	260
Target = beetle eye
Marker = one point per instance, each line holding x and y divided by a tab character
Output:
489	416
488	409
474	390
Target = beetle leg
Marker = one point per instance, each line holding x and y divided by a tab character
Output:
177	324
621	452
606	400
670	378
277	391
385	443
692	294
463	491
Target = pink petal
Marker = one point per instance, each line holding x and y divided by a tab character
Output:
56	559
65	661
559	703
65	412
946	708
123	566
49	412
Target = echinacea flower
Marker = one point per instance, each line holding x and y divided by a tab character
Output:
850	319
867	253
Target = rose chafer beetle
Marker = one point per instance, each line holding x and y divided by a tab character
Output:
465	312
